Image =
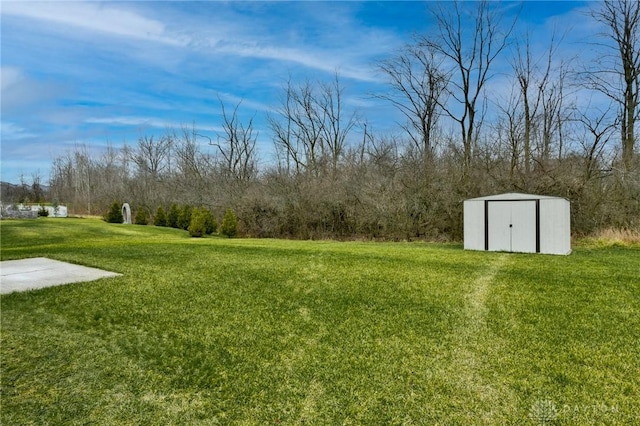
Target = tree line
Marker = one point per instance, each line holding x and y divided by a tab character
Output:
334	176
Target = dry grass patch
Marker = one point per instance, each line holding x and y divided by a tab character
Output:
612	237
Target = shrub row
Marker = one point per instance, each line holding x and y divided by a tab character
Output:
198	221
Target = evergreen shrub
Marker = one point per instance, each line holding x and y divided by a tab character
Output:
161	218
211	223
172	217
198	225
229	226
114	215
184	218
141	218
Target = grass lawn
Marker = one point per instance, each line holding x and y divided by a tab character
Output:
244	332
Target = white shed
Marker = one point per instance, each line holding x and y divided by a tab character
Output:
516	222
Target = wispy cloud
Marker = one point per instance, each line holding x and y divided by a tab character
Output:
19	91
12	131
95	17
231	101
146	122
9	77
321	36
324	61
249	37
129	121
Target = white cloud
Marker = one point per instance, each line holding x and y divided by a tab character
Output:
319	60
20	91
231	101
94	17
145	122
11	131
9	77
130	121
247	37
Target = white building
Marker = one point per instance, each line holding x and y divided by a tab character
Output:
516	222
20	210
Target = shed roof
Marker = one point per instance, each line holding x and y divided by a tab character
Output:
514	196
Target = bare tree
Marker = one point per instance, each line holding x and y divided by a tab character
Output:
112	177
335	126
536	114
60	179
418	79
83	176
510	131
555	111
471	47
293	149
190	161
619	73
307	126
533	81
310	128
151	156
37	190
598	129
237	146
73	179
193	169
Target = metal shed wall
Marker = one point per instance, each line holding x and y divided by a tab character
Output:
518	222
555	226
473	223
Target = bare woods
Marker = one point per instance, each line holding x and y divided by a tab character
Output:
560	127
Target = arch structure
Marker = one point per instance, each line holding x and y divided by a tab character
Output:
126	213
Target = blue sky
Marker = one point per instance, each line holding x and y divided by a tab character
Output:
100	73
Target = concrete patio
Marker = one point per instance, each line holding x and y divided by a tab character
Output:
40	272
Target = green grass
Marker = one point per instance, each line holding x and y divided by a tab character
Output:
244	332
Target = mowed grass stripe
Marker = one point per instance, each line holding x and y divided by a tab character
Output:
217	331
473	347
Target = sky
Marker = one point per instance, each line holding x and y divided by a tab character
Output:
98	74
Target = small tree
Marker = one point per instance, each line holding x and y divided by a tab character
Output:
198	224
161	217
172	217
184	218
211	223
141	218
114	215
229	227
42	211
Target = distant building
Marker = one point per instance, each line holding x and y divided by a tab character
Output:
27	211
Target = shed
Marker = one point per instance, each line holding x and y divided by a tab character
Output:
517	222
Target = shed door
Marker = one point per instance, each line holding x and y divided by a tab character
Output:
512	226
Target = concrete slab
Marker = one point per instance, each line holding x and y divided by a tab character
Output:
40	272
